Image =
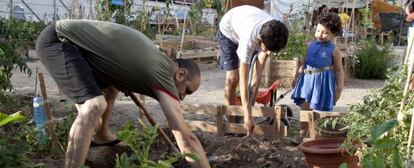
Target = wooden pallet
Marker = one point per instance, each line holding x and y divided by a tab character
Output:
275	131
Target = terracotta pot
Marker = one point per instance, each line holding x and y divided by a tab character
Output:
327	153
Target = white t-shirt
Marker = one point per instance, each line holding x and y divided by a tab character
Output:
242	25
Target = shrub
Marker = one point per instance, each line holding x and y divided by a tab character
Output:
371	61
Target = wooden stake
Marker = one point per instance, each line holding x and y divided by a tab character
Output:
407	83
221	110
276	123
153	122
50	125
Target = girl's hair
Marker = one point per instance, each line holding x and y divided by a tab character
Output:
331	21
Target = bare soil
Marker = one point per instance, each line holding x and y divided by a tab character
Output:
226	152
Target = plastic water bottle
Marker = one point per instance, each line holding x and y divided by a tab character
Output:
40	120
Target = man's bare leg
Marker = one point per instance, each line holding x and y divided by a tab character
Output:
230	86
231	82
103	133
83	127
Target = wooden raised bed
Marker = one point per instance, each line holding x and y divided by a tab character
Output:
282	70
275	131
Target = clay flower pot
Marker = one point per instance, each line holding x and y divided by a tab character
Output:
327	153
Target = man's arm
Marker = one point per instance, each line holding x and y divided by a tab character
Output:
186	140
244	95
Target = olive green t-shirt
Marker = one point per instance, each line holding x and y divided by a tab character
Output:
121	56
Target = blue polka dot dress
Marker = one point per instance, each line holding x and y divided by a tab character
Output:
318	89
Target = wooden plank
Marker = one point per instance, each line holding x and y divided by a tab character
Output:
259	130
204	126
199	108
311	126
318	115
220	120
198	54
257	111
276	123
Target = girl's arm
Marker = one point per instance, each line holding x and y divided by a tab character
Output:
300	69
339	73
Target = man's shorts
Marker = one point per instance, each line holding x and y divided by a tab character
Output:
228	55
68	68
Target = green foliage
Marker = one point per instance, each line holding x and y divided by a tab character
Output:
13	152
140	141
295	47
382	148
142	22
63	129
15	117
12	103
371	61
196	12
15	35
13	149
366	21
366	123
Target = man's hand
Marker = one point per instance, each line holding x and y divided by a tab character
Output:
248	125
186	140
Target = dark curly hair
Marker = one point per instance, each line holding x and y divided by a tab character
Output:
274	35
410	5
331	21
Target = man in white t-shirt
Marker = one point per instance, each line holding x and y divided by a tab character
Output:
243	32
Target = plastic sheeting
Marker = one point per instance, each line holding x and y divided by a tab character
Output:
278	8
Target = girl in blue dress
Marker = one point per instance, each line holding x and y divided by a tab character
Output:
319	82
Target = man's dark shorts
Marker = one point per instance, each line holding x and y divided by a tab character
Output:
66	65
228	56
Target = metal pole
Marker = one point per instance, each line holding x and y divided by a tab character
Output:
31	10
54	10
66	7
90	10
11	9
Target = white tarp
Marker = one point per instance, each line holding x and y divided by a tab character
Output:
278	8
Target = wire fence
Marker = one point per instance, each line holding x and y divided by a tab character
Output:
52	10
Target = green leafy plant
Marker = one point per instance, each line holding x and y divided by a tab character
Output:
295	47
13	151
371	61
15	36
140	141
15	117
382	148
363	121
63	129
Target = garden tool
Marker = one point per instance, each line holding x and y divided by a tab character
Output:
153	122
